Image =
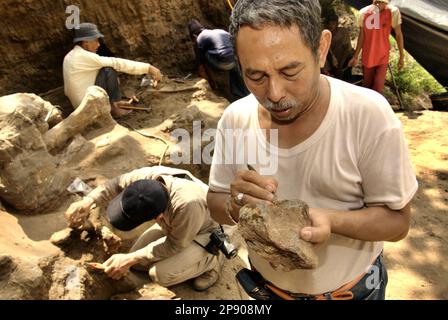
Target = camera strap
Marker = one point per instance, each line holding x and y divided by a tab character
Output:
207	247
199	244
210	248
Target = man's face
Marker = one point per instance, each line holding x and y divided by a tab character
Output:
91	45
380	4
279	70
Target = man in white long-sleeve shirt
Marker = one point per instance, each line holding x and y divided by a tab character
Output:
83	68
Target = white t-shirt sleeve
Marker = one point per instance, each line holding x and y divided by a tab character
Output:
396	17
387	174
94	61
125	66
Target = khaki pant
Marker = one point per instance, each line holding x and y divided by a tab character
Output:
187	264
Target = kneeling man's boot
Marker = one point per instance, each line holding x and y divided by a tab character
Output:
209	278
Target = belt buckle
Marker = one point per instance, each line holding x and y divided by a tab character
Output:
299	296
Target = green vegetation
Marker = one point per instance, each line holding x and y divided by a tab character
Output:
413	79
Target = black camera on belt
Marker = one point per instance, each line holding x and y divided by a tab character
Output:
220	241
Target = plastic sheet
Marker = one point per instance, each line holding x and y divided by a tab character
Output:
79	186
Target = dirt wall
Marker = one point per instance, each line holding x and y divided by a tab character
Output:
35	39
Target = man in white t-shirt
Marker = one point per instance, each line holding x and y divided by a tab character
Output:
338	147
83	68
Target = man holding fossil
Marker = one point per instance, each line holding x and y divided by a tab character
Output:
338	147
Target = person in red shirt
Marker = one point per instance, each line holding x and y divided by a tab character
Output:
376	23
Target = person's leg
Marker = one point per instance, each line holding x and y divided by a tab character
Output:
107	79
380	78
190	263
225	81
210	76
220	82
369	76
153	236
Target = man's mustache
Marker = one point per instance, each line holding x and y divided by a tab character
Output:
280	106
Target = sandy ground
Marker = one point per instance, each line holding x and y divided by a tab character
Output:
416	265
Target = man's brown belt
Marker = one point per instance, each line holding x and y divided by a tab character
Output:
343	293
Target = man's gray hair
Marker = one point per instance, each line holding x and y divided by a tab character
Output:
306	14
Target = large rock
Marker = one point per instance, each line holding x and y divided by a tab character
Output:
94	108
273	232
21	279
30	178
37	270
71	280
58	278
32	106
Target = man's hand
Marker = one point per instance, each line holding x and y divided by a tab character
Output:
118	265
78	212
400	63
320	230
155	73
255	188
